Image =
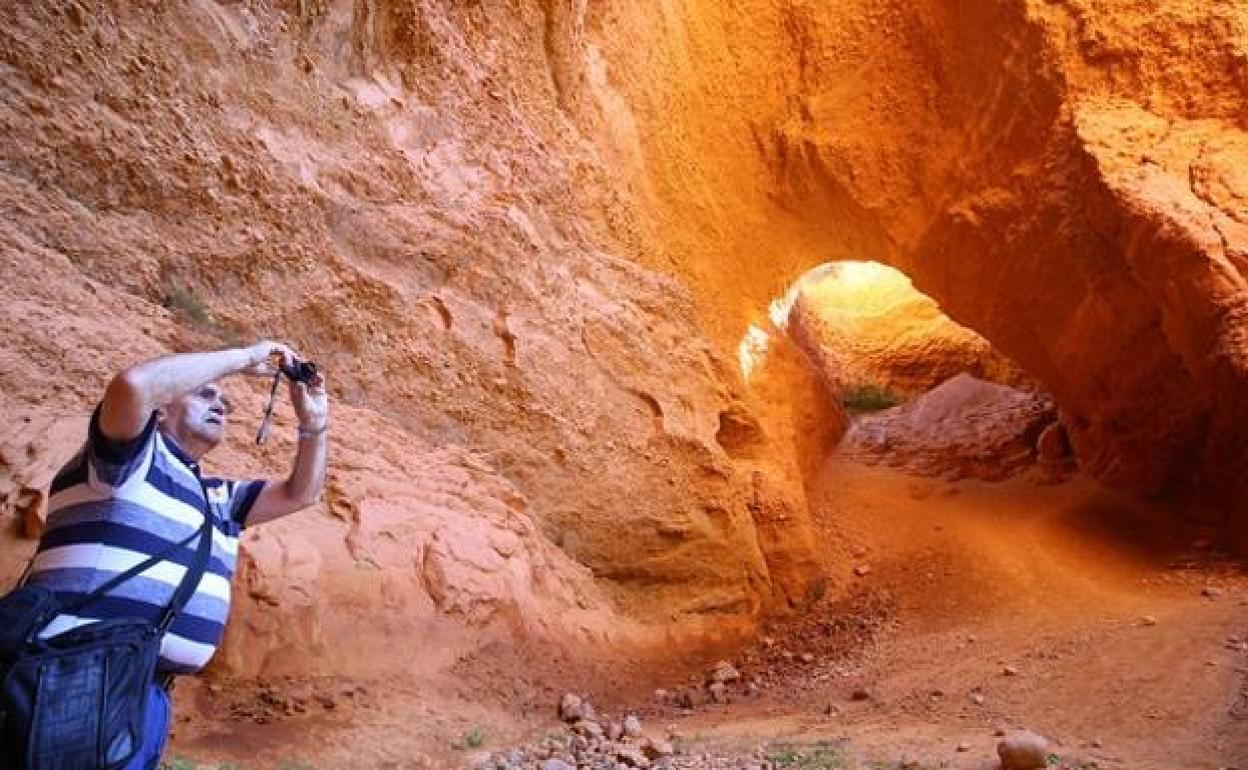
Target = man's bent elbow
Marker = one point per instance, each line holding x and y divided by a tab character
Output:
124	411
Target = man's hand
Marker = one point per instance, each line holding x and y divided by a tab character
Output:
264	357
311	403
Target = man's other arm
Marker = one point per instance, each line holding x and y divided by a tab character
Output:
307	478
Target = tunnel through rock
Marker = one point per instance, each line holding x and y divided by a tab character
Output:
525	238
922	392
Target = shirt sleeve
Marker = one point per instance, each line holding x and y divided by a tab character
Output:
114	462
242	498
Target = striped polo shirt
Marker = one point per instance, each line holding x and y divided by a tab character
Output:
117	503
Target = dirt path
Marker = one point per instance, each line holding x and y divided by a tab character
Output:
1126	639
1119	654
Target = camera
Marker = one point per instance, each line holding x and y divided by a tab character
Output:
300	371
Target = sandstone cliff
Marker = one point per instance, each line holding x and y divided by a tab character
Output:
525	239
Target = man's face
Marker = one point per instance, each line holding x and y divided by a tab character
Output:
199	415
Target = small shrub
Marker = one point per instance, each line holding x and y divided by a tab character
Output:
861	399
818	756
473	739
181	299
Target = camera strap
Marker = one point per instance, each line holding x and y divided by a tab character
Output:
262	434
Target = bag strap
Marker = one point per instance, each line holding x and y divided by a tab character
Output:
195	570
190	580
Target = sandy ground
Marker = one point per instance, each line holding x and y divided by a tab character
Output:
1129	639
1061	582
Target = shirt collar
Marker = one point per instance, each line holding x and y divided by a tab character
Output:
180	453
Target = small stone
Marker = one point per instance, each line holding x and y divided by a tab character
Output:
1097	744
718	692
690	698
632	755
1023	750
808	657
655	749
862	570
963	747
1010	671
1148	620
977	698
588	728
860	694
660	695
632	726
723	672
614	731
768	642
1211	592
571	708
556	764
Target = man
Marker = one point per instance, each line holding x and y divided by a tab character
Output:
135	489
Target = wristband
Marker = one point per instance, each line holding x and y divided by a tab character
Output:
312	432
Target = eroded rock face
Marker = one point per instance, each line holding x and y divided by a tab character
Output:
396	189
1060	177
514	229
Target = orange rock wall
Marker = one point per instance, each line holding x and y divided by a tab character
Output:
525	238
526	419
1060	176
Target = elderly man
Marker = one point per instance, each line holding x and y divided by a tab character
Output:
136	489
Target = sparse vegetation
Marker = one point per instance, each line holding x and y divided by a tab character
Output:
861	399
183	300
818	756
473	739
180	763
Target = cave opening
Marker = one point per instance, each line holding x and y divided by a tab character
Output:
919	390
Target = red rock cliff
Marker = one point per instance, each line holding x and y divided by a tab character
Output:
525	239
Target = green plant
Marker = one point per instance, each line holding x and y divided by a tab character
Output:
818	756
860	399
473	739
182	299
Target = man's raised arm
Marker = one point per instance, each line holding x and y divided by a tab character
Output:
135	393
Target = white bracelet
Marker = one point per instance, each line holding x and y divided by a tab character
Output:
312	432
